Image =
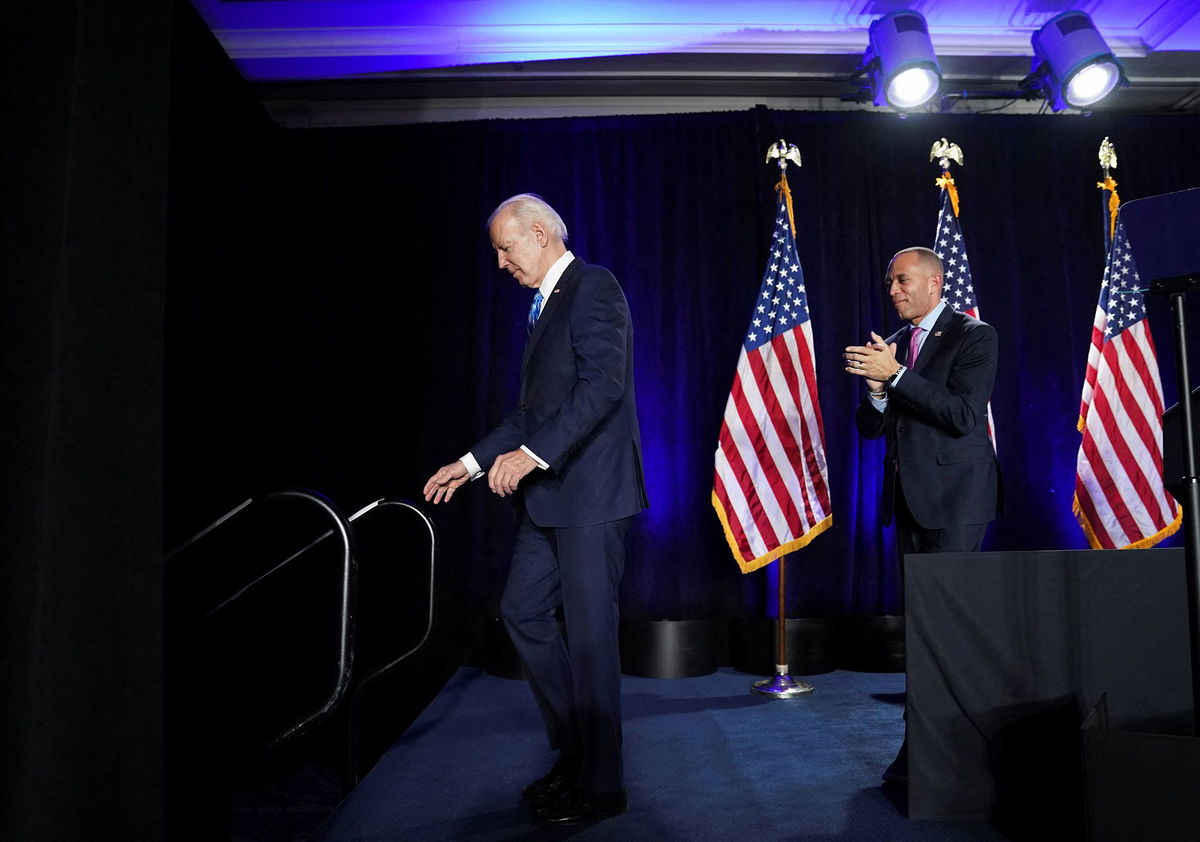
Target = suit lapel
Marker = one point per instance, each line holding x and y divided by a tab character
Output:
934	340
550	309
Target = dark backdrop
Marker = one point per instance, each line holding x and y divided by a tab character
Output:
84	94
377	340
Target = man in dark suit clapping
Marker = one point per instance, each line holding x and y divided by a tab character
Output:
928	387
571	451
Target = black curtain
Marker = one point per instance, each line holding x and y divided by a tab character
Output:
222	297
83	184
391	340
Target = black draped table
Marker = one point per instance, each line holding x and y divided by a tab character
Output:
1008	652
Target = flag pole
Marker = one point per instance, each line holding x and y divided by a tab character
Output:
1108	162
782	685
957	283
1189	483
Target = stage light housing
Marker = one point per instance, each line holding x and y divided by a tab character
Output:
1073	64
901	65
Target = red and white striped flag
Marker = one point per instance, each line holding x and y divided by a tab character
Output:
771	489
1119	497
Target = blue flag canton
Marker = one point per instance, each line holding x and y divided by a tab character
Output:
1121	293
957	286
782	300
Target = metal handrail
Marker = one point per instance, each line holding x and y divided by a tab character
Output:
357	694
345	656
346	631
345	684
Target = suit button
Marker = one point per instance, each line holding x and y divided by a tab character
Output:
900	429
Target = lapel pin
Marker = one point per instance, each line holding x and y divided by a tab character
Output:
937	333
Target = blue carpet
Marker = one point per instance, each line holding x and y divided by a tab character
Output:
704	759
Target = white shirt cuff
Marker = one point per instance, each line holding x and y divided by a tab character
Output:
535	458
473	470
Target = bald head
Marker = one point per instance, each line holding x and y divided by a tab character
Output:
927	259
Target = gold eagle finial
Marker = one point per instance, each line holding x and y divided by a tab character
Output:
1108	155
785	152
947	152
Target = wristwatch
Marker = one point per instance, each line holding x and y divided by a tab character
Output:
891	381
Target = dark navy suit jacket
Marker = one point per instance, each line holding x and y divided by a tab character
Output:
936	426
577	409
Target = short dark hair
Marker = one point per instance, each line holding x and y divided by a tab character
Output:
929	257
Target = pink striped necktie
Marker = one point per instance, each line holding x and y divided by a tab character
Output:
914	345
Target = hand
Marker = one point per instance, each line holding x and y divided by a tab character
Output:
508	470
875	361
442	485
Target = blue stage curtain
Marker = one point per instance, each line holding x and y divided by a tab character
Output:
394	341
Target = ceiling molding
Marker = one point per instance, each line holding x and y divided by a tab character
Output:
435	46
1166	20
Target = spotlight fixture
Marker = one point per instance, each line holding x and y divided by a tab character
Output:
901	67
1073	65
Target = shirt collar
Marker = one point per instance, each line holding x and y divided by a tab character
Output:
554	273
931	317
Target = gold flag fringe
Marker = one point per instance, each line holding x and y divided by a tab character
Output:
1145	543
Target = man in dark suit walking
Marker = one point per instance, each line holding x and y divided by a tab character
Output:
928	387
572	452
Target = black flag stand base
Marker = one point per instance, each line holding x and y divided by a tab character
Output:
782	686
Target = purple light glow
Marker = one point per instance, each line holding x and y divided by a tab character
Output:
311	39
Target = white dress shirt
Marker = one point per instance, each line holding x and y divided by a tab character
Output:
546	287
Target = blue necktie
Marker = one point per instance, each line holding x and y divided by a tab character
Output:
535	310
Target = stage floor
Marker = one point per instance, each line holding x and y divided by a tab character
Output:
704	759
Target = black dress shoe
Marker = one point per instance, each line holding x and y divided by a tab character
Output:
557	782
579	806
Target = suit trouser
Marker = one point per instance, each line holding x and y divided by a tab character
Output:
578	690
914	538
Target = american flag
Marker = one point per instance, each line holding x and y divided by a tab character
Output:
1119	497
771	489
958	289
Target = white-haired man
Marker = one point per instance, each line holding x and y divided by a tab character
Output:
572	451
